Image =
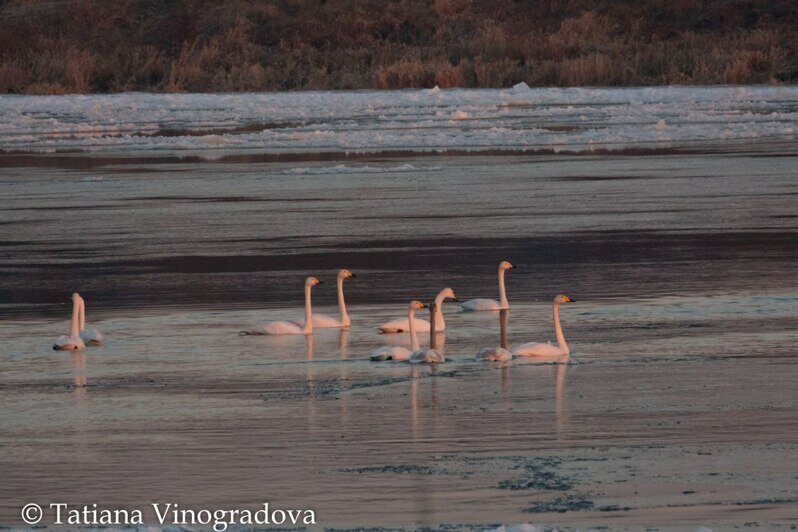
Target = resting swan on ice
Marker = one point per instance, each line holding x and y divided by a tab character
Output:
535	349
322	321
398	353
403	324
73	341
492	304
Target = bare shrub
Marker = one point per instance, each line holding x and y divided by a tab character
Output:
450	8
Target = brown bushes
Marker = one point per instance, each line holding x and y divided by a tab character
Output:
253	45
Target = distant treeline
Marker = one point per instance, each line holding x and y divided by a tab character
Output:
66	46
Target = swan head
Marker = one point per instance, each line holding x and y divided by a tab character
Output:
312	281
346	274
446	293
504	265
562	298
416	305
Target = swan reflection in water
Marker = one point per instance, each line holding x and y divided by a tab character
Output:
81	380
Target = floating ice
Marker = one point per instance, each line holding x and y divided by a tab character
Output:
560	119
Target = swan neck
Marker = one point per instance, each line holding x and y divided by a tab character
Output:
433	326
342	304
502	294
503	336
74	329
82	314
413	338
558	330
308	312
436	314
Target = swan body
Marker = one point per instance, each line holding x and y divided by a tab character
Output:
73	341
403	324
90	336
323	321
390	352
398	353
539	349
477	305
497	354
536	349
289	327
482	305
429	355
494	354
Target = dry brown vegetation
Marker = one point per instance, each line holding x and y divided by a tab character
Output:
65	46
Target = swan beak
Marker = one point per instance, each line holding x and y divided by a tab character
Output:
319	282
571	300
423	305
352	276
455	299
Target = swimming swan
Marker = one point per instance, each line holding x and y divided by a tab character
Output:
492	304
287	327
398	353
90	336
403	325
534	349
497	354
73	341
322	321
429	355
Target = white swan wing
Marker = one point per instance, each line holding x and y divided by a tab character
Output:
476	305
388	352
92	336
536	349
68	343
280	327
494	354
403	325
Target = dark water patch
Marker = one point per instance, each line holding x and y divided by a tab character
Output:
613	508
248	128
664	263
539	474
570	503
235	199
79	160
402	469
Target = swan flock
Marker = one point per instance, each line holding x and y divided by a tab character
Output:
80	336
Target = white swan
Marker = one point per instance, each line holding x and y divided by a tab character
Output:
73	341
403	325
534	349
398	353
429	355
322	321
492	304
497	354
90	336
287	327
